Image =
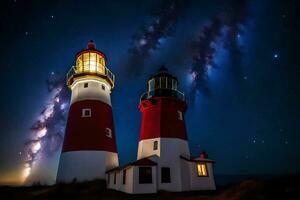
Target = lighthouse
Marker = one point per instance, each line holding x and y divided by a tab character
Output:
163	130
163	158
89	147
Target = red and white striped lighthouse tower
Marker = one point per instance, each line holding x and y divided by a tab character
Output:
89	147
163	131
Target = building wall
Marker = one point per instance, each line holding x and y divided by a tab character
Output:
88	151
168	152
132	185
90	133
162	117
202	183
128	186
85	165
185	175
111	184
144	188
94	91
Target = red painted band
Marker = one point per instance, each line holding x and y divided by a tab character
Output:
160	118
89	133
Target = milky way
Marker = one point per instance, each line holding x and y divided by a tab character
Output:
227	24
148	38
48	130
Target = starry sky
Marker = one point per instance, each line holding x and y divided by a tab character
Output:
248	121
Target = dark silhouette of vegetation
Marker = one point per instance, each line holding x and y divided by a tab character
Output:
280	188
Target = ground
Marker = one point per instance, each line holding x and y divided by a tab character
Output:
252	189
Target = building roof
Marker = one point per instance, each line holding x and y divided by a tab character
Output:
141	162
197	159
163	71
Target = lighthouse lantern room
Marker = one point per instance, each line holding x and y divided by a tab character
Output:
89	147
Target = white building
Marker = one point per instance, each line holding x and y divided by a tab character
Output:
163	160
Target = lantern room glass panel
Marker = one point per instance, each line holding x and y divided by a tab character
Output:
169	83
93	60
157	83
163	82
151	85
174	84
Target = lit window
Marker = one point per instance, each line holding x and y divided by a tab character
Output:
86	112
108	132
90	62
86	85
155	145
179	114
93	62
201	169
79	64
103	87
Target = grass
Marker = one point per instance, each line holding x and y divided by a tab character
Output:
282	188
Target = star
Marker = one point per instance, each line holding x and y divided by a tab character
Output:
52	16
26	33
276	55
281	130
286	142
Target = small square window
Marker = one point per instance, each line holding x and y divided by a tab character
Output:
108	132
86	112
86	85
202	169
103	87
179	115
155	145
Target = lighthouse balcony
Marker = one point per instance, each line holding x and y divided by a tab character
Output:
163	93
98	71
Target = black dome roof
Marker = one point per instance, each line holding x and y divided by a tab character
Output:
163	72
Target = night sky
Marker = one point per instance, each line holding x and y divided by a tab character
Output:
237	64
